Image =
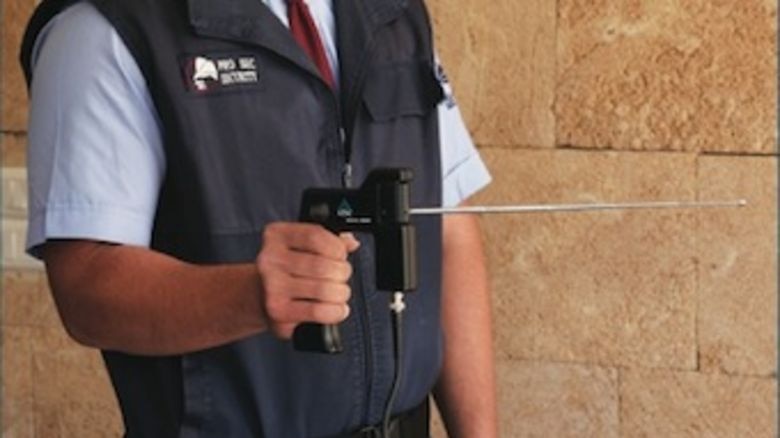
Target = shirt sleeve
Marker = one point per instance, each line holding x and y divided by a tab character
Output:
95	155
463	171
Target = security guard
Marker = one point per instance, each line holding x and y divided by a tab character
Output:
170	142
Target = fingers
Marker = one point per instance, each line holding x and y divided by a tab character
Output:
284	330
295	312
310	238
305	289
307	311
305	274
285	314
307	265
349	239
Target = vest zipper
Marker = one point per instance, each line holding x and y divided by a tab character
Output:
346	133
360	299
349	120
363	313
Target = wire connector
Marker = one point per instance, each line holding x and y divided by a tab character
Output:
398	305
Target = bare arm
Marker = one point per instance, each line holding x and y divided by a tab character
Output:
140	301
465	392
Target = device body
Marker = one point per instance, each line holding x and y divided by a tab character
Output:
380	207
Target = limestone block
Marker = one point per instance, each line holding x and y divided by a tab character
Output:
738	266
27	300
73	395
500	57
13	200
13	149
667	75
546	400
17	388
52	387
13	91
613	288
539	400
686	404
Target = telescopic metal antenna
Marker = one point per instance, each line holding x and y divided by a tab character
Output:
551	208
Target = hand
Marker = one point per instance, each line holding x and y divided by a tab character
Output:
304	272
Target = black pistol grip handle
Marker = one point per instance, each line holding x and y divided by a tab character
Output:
319	206
318	338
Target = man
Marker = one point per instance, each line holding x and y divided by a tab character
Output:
170	143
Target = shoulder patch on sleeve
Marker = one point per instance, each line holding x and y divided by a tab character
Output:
444	81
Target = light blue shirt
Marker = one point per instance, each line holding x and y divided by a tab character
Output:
95	157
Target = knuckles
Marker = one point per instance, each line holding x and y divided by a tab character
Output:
272	231
347	274
275	307
343	293
264	263
283	331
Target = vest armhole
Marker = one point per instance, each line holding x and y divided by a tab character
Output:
47	10
137	46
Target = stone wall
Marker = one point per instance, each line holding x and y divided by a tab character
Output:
623	324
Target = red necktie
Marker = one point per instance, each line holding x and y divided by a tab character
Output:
305	33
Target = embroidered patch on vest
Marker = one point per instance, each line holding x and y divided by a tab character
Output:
206	74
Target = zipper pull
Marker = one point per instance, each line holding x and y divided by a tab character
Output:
346	175
343	136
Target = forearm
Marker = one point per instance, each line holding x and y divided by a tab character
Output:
465	392
139	301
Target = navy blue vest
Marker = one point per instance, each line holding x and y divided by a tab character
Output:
248	125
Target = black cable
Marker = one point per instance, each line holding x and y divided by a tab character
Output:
397	308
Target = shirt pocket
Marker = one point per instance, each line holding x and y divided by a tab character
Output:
400	90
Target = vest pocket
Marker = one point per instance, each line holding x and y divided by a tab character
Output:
397	90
